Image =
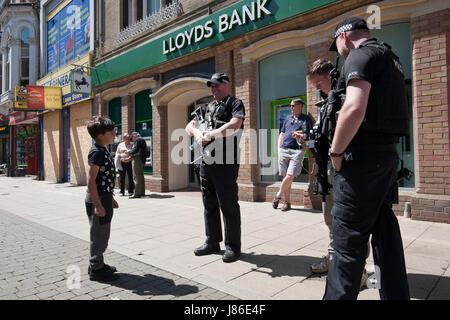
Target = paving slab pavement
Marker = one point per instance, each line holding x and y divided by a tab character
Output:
163	229
40	263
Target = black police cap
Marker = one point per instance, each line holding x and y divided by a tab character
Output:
348	24
218	78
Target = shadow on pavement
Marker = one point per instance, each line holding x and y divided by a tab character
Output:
159	196
426	286
281	265
152	285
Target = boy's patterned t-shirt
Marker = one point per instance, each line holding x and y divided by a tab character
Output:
106	176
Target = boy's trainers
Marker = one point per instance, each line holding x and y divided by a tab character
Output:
103	274
111	268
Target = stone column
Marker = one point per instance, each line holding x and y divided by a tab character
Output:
243	77
159	182
133	11
100	106
127	114
34	60
15	63
4	59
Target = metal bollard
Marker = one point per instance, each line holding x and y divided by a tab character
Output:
407	212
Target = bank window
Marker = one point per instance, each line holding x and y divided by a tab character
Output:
398	35
115	114
24	57
143	124
282	77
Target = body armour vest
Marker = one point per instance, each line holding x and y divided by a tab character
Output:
387	109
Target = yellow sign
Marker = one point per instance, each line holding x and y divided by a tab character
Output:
21	98
40	97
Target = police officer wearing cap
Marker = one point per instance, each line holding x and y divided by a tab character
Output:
364	156
219	172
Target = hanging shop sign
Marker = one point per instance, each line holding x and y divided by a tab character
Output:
42	97
81	83
22	116
233	21
63	78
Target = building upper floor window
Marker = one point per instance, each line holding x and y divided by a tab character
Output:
135	10
24	57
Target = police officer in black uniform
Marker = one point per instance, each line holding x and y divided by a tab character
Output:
364	155
220	167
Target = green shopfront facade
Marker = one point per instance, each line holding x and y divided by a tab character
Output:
265	47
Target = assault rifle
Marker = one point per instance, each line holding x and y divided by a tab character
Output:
202	125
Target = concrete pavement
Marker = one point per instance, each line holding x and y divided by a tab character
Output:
162	230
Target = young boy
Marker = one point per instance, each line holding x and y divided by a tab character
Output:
99	197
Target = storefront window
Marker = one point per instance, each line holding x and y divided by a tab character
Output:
115	114
143	124
26	148
281	78
399	37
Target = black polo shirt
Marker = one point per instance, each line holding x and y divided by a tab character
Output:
363	63
224	111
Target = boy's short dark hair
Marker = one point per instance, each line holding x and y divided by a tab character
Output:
320	67
99	125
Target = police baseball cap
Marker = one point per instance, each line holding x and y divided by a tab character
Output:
218	78
348	24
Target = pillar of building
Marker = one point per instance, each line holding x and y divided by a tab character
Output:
127	112
159	181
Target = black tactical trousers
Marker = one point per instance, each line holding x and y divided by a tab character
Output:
220	192
363	206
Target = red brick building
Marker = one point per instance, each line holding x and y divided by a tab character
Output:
150	75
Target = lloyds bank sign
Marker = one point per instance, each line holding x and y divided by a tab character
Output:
225	22
231	22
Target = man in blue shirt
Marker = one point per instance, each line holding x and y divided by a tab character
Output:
291	151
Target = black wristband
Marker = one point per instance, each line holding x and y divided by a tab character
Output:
336	155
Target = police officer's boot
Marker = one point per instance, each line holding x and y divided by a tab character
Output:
207	248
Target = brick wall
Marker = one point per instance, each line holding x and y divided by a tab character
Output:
127	114
430	36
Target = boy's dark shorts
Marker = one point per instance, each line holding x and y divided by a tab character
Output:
107	203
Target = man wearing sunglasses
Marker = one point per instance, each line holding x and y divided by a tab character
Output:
291	151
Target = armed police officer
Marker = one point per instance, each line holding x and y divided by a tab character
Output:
364	155
220	167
